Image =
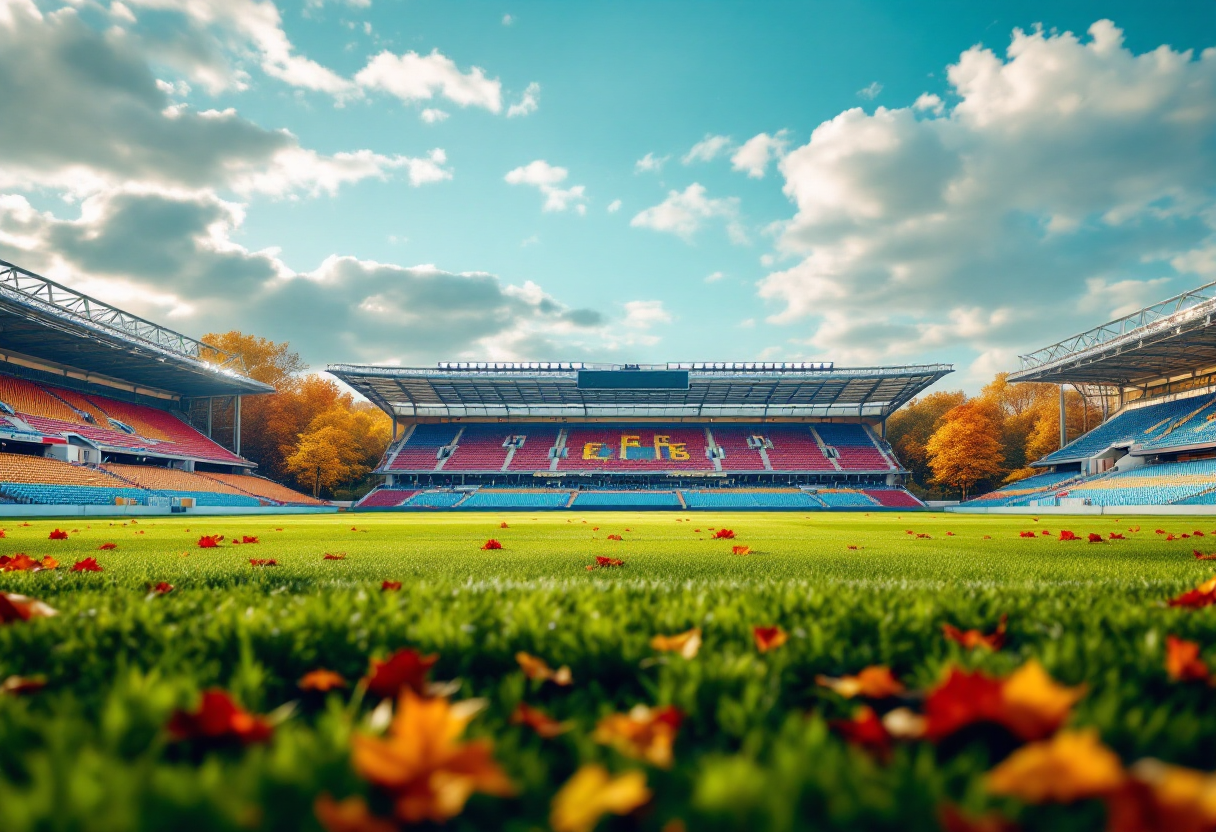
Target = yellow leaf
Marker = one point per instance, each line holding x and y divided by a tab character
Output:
686	644
1072	765
591	793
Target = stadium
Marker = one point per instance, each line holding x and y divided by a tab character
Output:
103	412
1153	373
678	436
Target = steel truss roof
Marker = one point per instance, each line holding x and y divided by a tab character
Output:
525	392
46	320
1170	339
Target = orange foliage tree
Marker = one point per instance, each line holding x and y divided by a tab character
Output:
966	449
274	426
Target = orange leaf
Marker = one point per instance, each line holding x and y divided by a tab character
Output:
1201	556
404	670
334	556
592	793
262	561
162	588
864	729
87	565
975	638
644	733
504	525
217	719
744	550
349	815
106	546
18	685
874	682
686	644
537	669
1182	661
58	534
1071	766
321	680
603	562
769	638
1157	797
1028	703
614	537
422	764
540	722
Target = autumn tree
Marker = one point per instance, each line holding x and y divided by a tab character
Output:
325	457
909	429
966	449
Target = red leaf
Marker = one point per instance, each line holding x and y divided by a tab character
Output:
162	588
769	638
15	607
864	729
504	525
1117	536
263	562
404	669
1095	538
1067	535
107	546
1026	534
604	562
209	541
1203	595
87	565
491	544
58	534
975	638
614	537
218	718
724	534
334	556
247	539
390	586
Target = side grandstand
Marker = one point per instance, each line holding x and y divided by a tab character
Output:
672	436
1156	371
102	408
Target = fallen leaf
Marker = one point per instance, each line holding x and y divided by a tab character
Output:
540	722
724	534
19	685
349	815
209	541
644	733
58	534
334	556
874	682
952	819
263	561
107	546
741	550
592	793
1157	796
975	638
1201	596
864	729
405	670
218	718
1182	662
769	638
86	565
321	680
491	544
686	643
390	586
14	607
538	670
1071	766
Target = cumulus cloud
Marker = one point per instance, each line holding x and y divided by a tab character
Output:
649	163
1070	174
684	213
412	77
547	179
125	127
528	102
755	154
171	254
708	149
433	116
614	206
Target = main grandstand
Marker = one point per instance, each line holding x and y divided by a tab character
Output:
103	409
1155	372
538	435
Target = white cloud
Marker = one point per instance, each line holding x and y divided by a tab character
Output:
170	253
299	169
755	154
928	102
649	163
507	20
715	277
614	206
1072	175
870	92
546	178
432	115
412	77
683	213
708	149
528	103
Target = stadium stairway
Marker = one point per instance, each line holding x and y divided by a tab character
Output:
823	448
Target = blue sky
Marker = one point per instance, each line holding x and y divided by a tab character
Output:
406	182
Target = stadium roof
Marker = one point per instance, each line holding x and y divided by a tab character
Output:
693	390
1166	342
43	321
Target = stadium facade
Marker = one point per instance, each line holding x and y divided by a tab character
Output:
534	435
104	411
1153	372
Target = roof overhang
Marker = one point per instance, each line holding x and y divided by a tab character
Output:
49	327
1170	341
731	391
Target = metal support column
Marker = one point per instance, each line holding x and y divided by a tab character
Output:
1063	420
236	429
394	427
210	408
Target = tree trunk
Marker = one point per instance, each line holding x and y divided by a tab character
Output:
316	485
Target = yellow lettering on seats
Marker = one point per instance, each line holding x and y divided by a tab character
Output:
629	441
591	450
679	450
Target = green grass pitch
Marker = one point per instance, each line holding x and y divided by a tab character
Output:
755	752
